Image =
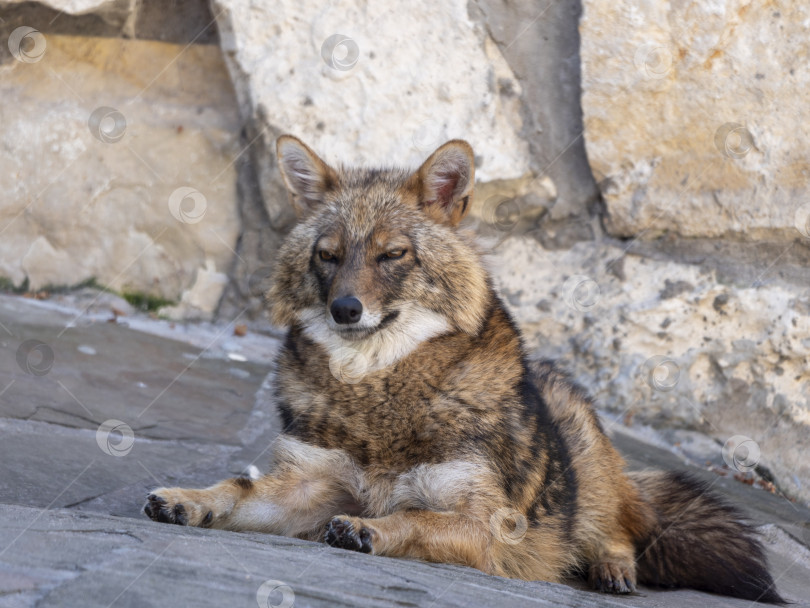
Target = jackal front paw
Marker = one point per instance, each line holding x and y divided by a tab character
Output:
613	577
348	533
173	506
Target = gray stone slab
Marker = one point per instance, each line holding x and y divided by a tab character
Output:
127	497
48	466
72	559
102	551
160	388
192	418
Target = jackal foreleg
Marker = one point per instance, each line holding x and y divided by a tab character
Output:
428	535
305	486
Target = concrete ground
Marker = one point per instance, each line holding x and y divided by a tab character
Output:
185	405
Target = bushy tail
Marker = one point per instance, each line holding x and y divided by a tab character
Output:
699	541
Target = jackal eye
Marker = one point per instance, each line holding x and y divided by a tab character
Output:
327	256
394	254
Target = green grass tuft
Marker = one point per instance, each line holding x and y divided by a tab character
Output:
140	300
145	302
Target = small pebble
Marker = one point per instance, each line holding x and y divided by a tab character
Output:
86	349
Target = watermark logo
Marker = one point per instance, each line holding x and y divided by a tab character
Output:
581	292
340	52
733	140
662	373
508	525
115	438
27	44
653	61
275	594
184	214
107	125
35	357
501	212
741	453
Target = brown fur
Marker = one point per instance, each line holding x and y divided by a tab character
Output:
421	430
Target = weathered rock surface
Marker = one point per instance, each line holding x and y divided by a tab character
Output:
78	7
71	528
371	84
509	82
691	116
540	41
668	344
126	562
188	21
116	160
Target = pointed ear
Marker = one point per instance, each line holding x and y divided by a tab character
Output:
306	176
445	182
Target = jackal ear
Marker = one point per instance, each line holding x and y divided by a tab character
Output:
306	176
445	182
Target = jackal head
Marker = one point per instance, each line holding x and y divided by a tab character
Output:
377	262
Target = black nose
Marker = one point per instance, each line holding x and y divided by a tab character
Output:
346	310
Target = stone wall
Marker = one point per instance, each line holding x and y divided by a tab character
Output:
693	127
116	159
693	117
343	75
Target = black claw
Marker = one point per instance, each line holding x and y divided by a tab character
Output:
631	588
180	517
334	532
154	507
207	519
163	516
603	579
617	585
341	533
156	510
365	540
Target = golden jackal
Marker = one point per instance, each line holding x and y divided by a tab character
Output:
415	426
